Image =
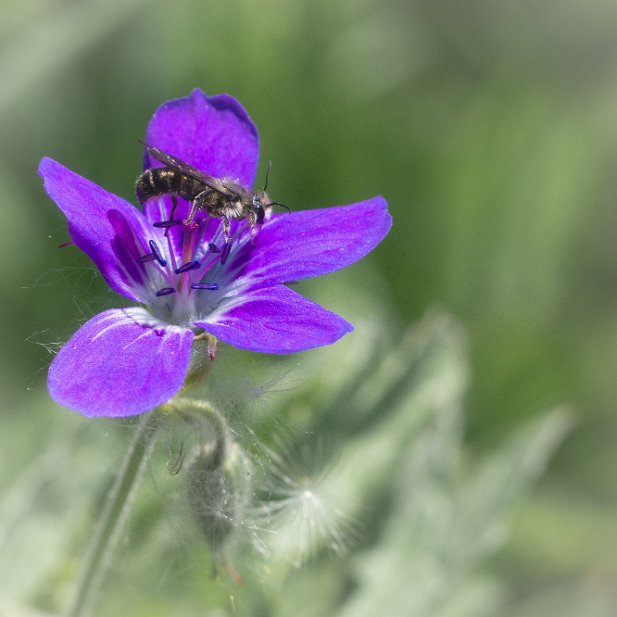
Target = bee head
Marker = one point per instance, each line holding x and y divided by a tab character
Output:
260	202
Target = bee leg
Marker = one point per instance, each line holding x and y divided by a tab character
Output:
174	207
194	207
227	246
252	218
199	203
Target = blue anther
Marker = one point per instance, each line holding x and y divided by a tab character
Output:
167	224
147	257
165	291
209	286
157	253
213	248
189	265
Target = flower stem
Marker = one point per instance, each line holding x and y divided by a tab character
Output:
113	517
186	408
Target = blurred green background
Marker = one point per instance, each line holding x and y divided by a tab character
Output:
491	129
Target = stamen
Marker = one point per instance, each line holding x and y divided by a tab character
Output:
167	224
200	232
225	253
157	253
208	286
165	291
213	248
147	257
189	265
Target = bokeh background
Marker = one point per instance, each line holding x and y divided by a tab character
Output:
491	129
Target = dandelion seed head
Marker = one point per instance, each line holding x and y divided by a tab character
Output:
301	508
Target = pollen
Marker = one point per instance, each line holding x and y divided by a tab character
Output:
166	291
207	286
189	265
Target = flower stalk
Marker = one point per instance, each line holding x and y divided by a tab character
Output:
114	516
218	478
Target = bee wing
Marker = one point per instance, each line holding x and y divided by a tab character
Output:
188	170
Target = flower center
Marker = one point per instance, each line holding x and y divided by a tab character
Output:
186	267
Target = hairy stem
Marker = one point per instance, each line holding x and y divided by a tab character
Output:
186	409
113	517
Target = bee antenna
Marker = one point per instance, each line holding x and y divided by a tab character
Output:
267	175
278	203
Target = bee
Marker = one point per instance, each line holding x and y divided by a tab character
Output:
219	197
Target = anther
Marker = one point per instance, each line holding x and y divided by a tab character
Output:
165	291
167	224
225	253
209	286
213	248
157	253
189	265
147	257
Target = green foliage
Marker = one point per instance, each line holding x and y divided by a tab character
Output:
489	126
390	514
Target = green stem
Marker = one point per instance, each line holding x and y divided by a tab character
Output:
113	517
185	408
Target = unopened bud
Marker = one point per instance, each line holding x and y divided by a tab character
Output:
218	491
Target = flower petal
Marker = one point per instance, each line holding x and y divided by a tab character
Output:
274	320
120	363
312	242
112	232
213	134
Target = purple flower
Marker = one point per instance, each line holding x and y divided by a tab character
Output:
126	361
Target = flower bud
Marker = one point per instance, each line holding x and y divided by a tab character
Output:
218	490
